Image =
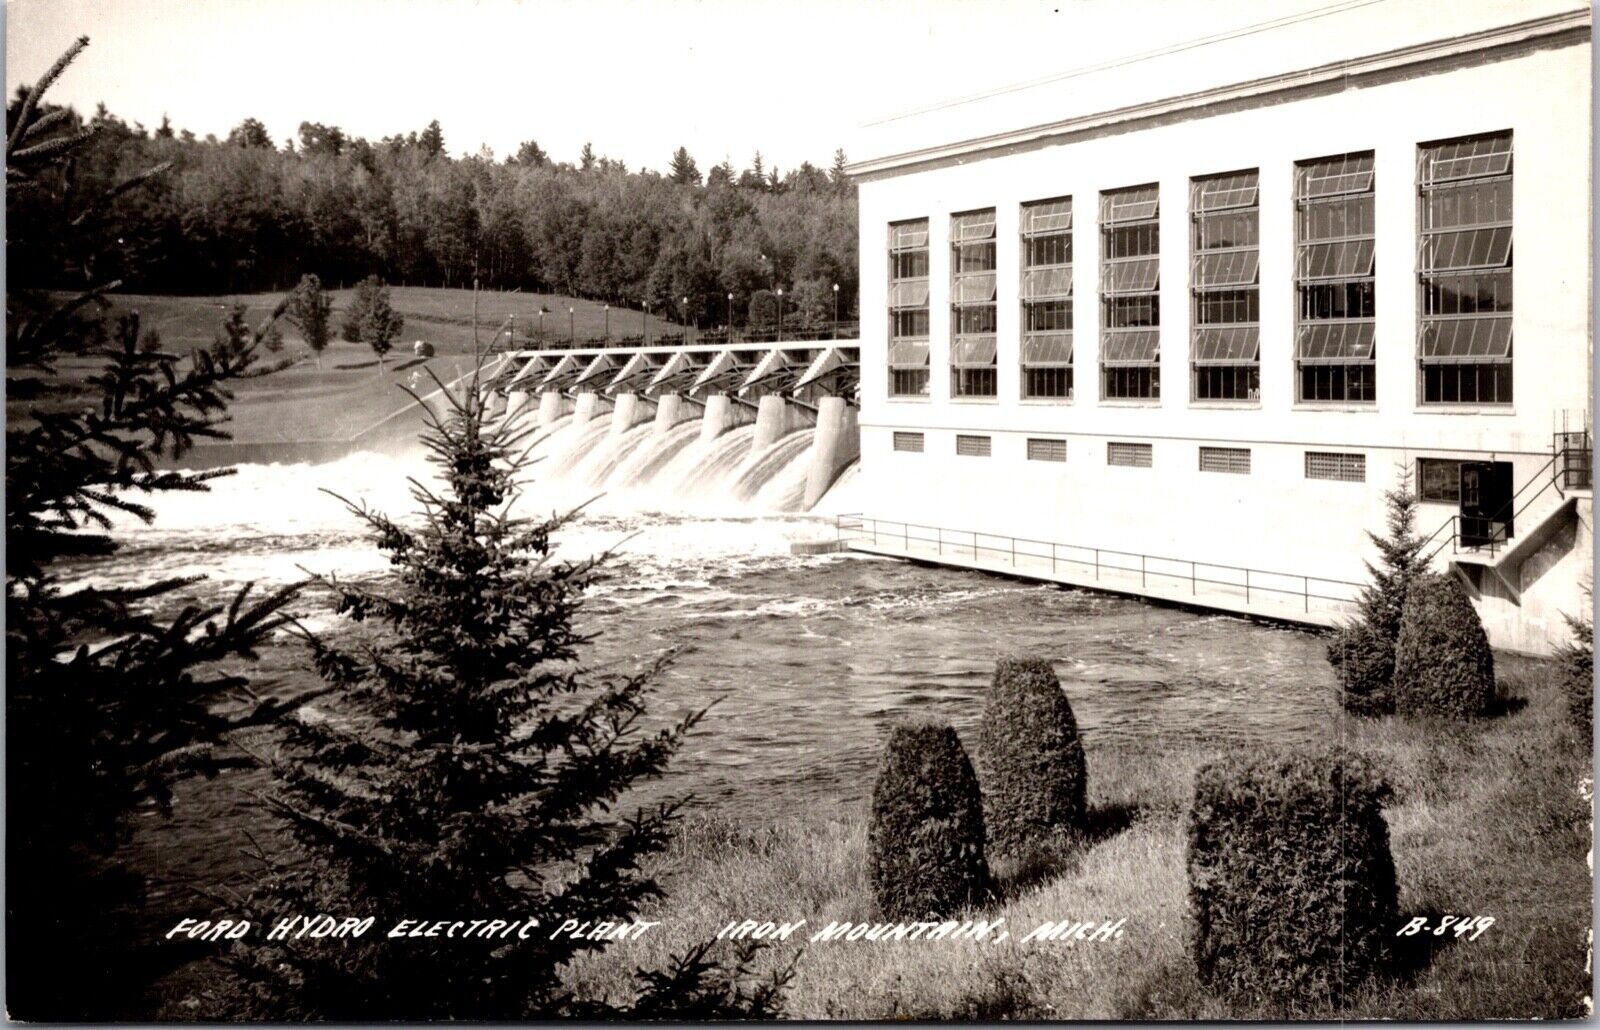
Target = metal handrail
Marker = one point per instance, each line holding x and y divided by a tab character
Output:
857	523
841	331
1453	522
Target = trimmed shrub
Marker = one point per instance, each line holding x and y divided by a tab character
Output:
1363	660
1292	888
1443	664
925	843
1034	779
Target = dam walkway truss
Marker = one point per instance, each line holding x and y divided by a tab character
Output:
794	401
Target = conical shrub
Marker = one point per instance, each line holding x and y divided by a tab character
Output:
1292	888
1443	664
925	843
1034	779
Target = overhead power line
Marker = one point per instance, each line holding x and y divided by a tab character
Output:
1190	44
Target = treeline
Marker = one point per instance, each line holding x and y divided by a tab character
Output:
241	214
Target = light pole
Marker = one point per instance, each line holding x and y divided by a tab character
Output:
644	321
608	325
572	327
542	310
780	314
730	318
511	333
686	329
835	311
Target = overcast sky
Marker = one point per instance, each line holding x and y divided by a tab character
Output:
792	78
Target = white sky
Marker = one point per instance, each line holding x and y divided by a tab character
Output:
792	78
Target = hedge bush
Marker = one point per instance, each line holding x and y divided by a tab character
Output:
1443	664
1034	780
925	844
1291	882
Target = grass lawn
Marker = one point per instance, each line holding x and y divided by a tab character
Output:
1489	819
347	393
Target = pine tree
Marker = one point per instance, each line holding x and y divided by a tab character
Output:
684	171
465	765
586	158
310	311
431	141
1362	652
112	696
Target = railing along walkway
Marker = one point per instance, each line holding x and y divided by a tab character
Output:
1291	596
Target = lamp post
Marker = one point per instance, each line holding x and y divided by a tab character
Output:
541	324
686	328
730	318
835	311
511	332
572	327
644	321
608	325
780	314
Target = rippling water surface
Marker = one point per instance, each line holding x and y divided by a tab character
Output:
811	657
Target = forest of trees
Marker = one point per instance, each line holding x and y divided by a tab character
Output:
243	215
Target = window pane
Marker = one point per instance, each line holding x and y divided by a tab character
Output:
976	225
1335	342
1227	346
1466	340
1471	248
1140	276
1047	216
1130	348
1047	282
1047	349
1336	260
1047	316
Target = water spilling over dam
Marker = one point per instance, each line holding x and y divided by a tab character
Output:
767	426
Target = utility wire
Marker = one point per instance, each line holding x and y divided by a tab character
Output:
1190	44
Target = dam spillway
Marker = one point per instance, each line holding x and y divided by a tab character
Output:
770	426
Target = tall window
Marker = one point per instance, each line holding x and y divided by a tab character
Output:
1047	299
1464	264
972	316
908	309
1130	292
1334	266
1225	287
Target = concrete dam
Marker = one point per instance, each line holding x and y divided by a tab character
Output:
774	425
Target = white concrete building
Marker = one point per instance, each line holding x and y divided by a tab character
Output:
1194	314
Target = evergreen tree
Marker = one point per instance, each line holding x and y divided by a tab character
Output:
248	133
310	311
531	155
466	765
684	171
431	142
111	695
1362	652
586	158
836	174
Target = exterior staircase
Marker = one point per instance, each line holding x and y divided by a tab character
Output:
1544	566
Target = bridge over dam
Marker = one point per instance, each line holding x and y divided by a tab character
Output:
774	421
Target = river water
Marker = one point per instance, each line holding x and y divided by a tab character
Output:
811	657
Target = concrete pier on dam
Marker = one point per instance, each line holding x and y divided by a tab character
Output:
761	408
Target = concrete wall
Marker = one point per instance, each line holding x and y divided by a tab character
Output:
1273	518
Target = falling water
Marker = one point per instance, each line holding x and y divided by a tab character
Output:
639	468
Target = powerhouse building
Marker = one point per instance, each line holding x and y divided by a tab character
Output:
1208	306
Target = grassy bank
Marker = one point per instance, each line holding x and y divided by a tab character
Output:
347	392
1486	820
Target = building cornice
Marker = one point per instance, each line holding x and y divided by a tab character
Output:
1565	29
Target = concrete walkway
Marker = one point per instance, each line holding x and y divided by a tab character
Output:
1292	598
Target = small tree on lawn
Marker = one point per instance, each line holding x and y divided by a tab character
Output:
465	764
1362	652
311	310
380	322
110	699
